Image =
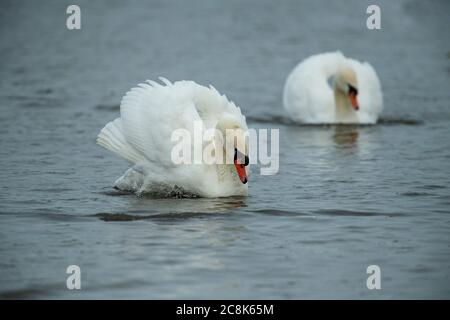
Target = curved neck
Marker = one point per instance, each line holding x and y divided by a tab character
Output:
224	172
343	111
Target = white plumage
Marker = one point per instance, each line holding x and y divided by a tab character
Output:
149	114
309	95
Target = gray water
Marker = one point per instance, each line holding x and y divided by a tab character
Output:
345	197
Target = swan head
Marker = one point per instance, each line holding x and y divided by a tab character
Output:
233	140
346	82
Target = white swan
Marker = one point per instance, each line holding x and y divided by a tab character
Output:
149	114
330	88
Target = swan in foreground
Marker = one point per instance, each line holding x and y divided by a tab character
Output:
149	115
330	88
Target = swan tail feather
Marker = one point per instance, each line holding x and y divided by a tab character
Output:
111	137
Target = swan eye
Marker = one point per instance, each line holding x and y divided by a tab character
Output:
352	90
241	158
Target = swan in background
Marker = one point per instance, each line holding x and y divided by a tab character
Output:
149	114
330	88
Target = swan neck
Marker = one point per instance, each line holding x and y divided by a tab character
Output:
344	111
224	172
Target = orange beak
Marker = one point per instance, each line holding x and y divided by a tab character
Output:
353	101
240	167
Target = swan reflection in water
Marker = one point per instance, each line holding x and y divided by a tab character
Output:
327	147
352	136
148	207
346	136
184	220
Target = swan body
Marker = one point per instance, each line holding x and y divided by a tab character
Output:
319	91
149	114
